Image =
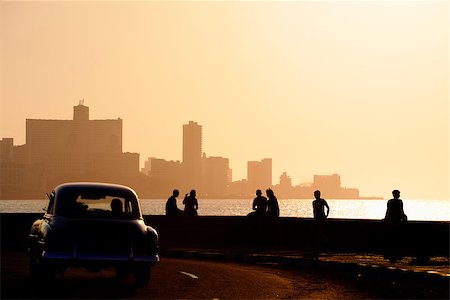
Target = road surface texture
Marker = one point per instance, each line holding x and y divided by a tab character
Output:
193	279
178	278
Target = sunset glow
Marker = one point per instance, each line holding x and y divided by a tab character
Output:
355	88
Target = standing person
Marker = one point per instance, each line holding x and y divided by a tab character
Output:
394	211
319	207
171	205
320	235
394	235
259	203
190	204
272	204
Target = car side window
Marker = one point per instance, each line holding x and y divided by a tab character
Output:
127	206
51	203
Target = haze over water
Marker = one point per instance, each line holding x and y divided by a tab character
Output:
354	88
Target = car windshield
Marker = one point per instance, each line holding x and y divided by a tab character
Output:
92	203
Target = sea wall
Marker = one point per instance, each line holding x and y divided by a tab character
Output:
208	232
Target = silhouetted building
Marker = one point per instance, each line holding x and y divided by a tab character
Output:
11	175
327	184
192	155
58	151
6	150
240	189
349	193
285	181
259	174
147	166
330	187
217	176
284	188
164	169
81	149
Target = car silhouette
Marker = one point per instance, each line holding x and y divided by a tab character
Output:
93	225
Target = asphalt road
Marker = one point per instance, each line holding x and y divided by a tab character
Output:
180	278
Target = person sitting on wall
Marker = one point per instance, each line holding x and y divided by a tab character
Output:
190	204
171	205
273	209
394	211
259	205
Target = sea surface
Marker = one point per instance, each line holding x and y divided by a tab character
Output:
419	210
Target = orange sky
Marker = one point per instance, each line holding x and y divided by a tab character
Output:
355	88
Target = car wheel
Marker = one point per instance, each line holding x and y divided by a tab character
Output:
122	272
40	271
142	275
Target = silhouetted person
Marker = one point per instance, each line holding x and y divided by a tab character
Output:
73	206
320	216
394	219
394	211
256	226
319	206
190	204
259	204
272	204
171	205
116	206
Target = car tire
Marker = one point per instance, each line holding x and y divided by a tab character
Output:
39	271
122	272
142	275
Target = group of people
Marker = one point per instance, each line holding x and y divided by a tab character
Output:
190	204
265	206
268	206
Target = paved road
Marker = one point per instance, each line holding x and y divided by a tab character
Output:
180	278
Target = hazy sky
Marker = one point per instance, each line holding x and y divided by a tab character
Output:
354	88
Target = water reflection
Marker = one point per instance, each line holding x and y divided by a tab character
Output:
432	210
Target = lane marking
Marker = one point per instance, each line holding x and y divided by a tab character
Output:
189	274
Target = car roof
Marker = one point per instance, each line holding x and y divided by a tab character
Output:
94	186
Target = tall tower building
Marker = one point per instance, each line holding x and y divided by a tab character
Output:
81	112
192	155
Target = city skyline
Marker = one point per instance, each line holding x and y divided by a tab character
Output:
359	89
84	149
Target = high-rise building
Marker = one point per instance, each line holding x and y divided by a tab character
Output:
192	155
79	149
259	174
217	176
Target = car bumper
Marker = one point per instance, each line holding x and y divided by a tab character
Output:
94	257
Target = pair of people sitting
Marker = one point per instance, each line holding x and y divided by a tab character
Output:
190	204
265	206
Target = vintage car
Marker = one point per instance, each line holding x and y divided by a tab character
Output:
93	225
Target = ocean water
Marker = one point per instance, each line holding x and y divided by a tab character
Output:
415	209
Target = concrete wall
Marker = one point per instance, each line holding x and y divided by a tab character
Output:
207	232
